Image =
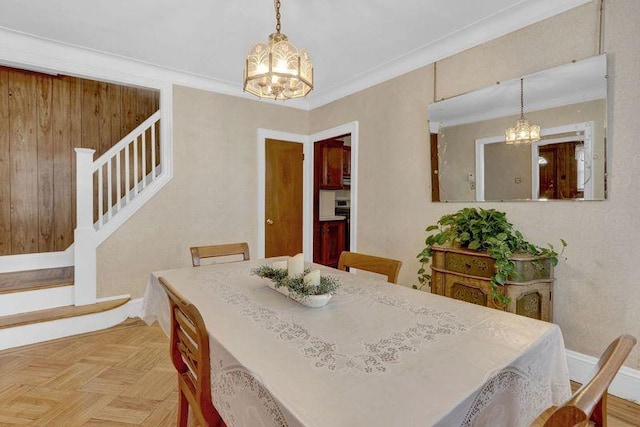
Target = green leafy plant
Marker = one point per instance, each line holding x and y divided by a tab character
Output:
295	284
485	230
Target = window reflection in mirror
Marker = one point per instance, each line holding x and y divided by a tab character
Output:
569	104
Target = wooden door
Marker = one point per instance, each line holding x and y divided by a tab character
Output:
435	178
283	198
548	179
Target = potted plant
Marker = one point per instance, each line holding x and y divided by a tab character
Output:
484	230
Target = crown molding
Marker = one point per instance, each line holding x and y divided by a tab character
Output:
30	52
504	22
45	55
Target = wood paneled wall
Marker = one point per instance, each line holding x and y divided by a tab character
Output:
42	119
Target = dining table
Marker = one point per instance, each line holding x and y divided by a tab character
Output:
377	354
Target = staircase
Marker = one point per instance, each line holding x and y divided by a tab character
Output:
42	295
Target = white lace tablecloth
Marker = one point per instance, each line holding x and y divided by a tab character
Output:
375	355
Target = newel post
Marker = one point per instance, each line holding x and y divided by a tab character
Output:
84	235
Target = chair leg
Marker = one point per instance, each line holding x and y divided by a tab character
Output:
599	414
183	410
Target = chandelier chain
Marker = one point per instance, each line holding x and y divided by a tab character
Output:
277	16
522	98
523	132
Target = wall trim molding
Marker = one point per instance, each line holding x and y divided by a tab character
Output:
307	187
30	52
24	50
352	128
504	22
626	385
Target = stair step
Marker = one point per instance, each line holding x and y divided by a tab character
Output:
35	279
58	313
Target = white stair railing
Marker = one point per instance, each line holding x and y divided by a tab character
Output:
108	191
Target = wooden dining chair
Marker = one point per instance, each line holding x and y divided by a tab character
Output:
385	266
189	347
588	405
199	252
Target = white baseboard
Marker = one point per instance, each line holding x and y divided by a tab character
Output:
45	331
40	299
134	307
626	385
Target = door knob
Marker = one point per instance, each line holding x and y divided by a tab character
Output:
269	221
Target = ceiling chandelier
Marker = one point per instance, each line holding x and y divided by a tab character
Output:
277	70
523	132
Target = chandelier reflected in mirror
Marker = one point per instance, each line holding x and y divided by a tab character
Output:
277	70
523	132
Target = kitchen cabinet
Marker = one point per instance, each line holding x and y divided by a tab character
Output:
346	161
331	164
331	242
465	275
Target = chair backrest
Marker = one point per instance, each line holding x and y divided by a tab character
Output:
199	252
589	402
190	356
386	266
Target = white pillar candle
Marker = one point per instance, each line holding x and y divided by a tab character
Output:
295	265
280	265
312	278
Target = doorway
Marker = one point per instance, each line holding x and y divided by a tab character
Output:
307	198
331	199
301	141
340	204
578	135
560	174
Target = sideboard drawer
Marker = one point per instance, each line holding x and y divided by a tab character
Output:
471	265
465	275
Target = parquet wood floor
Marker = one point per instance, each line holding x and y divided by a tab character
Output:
121	376
118	377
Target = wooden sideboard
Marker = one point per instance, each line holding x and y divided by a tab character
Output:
465	275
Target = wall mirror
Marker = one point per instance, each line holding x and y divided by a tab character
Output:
472	162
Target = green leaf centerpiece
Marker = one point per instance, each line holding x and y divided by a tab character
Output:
306	286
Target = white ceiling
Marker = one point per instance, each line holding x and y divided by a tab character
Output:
353	44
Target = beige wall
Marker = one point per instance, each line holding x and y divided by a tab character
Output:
507	172
212	196
596	294
393	172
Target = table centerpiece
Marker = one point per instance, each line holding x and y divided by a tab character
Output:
306	286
